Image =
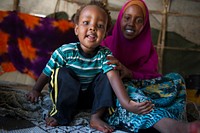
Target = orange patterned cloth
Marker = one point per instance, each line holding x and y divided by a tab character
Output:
26	41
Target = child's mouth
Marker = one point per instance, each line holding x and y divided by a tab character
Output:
91	37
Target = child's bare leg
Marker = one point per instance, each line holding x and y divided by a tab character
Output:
167	125
50	121
97	123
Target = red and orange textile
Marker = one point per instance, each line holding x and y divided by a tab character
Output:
27	41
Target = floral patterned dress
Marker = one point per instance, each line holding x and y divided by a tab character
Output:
168	93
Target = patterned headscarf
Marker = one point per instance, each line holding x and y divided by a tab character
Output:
137	54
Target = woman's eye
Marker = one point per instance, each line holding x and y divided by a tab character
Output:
126	18
140	21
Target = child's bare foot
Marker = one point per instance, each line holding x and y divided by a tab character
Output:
50	121
98	124
194	127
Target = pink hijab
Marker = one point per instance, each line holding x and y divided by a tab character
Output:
137	54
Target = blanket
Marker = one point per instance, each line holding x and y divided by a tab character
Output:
27	41
13	104
15	108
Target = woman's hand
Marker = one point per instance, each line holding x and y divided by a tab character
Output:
140	108
123	71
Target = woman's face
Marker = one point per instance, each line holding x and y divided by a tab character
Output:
132	21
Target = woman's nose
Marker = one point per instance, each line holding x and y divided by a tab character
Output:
131	23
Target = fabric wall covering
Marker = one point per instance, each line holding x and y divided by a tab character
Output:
26	41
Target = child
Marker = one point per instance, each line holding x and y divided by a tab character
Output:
79	74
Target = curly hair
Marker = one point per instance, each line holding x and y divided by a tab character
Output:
96	3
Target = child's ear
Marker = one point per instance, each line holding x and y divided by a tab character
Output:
76	29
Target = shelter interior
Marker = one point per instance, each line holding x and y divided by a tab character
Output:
175	33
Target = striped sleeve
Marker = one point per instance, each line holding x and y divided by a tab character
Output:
57	60
106	68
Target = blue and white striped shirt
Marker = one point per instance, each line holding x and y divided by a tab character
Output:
69	56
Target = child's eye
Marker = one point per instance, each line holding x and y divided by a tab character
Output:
85	22
101	26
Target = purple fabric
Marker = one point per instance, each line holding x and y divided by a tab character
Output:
138	54
45	36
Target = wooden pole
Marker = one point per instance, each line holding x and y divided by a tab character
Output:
16	5
162	34
56	8
179	49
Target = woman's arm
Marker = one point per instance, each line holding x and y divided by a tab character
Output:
127	73
125	101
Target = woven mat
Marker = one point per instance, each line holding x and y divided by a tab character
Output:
15	109
23	116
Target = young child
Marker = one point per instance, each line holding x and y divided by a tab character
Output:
80	76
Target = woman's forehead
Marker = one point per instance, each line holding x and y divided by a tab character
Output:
133	10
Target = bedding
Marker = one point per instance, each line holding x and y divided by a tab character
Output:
27	41
19	115
13	104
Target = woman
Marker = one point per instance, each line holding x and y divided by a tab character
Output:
137	59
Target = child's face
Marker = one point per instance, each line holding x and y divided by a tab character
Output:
132	21
91	28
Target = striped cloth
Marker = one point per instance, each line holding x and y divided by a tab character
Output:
69	56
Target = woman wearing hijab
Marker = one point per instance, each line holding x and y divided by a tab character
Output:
135	57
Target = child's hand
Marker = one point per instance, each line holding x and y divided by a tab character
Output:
33	96
140	108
